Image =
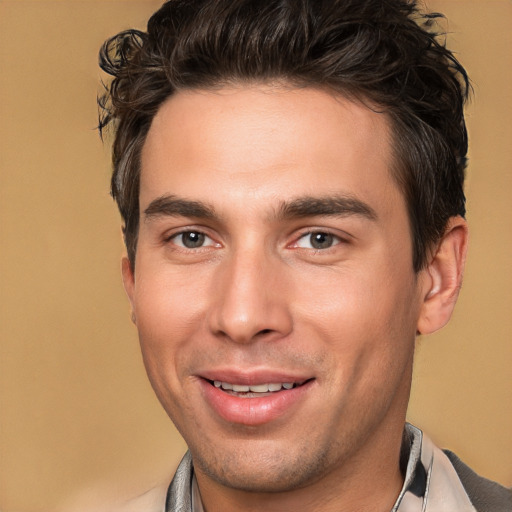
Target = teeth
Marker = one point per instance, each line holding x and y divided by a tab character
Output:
261	388
258	388
240	388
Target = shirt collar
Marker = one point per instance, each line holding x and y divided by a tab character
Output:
431	483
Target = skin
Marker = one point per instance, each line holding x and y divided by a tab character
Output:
257	297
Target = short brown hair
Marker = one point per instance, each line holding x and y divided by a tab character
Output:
382	52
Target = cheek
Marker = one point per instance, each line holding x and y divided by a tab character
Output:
363	316
169	311
167	302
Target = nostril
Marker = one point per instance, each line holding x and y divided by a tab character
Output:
265	331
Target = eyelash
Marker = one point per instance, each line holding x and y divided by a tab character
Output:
182	246
336	240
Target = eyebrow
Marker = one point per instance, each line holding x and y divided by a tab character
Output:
331	206
307	206
172	206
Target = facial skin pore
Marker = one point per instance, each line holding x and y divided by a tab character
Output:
274	247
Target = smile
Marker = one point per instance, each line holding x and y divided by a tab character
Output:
254	403
246	391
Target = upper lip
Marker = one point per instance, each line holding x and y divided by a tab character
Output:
253	377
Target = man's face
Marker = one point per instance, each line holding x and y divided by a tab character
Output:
274	250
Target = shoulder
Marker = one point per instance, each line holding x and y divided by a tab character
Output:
485	495
111	498
150	501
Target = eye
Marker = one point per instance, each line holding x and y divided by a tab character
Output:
192	240
318	240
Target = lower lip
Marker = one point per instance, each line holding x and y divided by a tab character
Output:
253	411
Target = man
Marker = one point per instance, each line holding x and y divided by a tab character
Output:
290	177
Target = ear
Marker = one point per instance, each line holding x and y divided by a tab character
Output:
443	277
129	284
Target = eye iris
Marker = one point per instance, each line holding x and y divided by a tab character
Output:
192	239
321	240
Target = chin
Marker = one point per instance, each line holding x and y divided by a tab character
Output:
266	472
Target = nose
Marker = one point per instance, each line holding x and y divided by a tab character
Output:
252	298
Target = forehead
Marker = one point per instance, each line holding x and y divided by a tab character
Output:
264	143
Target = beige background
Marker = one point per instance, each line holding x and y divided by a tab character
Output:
78	418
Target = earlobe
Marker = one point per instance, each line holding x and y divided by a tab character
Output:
444	277
129	284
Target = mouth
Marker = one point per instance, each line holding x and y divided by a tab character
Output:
257	402
256	390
